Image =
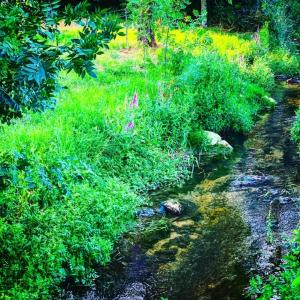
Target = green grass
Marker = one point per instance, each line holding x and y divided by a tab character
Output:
284	284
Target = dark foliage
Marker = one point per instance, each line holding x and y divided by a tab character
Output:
31	57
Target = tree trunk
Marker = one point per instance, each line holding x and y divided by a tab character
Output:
147	34
204	12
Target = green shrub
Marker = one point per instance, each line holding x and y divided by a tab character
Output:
56	222
223	97
286	283
261	74
282	61
264	36
281	16
67	176
232	46
296	129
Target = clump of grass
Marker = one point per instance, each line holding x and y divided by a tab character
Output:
223	98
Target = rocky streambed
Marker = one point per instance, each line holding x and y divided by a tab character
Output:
232	221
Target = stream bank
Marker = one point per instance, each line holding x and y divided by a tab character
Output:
237	216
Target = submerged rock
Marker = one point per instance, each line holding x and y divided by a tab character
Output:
281	77
251	181
293	81
134	291
173	207
161	210
146	212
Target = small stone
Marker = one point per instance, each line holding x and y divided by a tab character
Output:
281	77
161	210
216	140
173	207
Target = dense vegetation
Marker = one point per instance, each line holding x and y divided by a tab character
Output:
284	284
71	178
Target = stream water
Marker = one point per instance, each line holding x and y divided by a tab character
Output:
238	214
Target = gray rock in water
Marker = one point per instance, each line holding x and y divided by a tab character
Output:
173	207
293	80
281	77
146	212
134	291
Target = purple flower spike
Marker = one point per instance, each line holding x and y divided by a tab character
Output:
134	102
129	126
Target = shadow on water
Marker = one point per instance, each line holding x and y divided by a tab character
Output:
237	215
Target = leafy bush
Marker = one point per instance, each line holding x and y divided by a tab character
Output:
232	46
260	73
223	97
52	227
30	56
281	22
286	283
264	36
151	15
281	61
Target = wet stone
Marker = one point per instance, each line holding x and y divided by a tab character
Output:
173	207
146	212
293	81
285	200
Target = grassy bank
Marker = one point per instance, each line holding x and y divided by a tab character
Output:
71	178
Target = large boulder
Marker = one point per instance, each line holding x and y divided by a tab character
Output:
226	145
216	140
213	137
